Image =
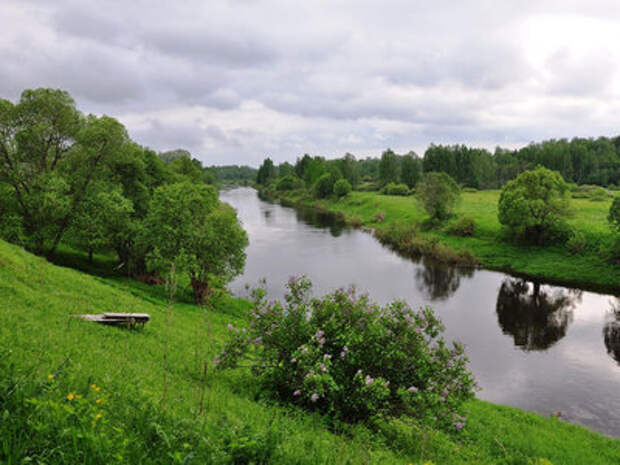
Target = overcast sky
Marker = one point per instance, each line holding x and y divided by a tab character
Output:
234	81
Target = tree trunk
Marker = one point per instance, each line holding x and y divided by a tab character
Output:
90	255
200	290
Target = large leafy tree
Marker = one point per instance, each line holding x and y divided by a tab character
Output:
534	205
188	227
49	154
438	193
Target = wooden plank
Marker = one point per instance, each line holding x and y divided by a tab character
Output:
135	316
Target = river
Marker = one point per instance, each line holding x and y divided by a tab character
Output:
543	348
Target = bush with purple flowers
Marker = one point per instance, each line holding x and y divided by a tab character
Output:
347	357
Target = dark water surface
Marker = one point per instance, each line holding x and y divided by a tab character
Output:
543	348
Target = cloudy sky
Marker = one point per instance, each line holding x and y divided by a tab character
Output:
234	81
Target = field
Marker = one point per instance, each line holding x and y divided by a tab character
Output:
488	244
75	392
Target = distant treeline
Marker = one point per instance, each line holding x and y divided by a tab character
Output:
580	161
211	174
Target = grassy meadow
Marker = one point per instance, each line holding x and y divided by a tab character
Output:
488	243
73	391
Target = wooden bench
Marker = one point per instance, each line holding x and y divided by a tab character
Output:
130	320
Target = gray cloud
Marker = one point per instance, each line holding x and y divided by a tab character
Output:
235	80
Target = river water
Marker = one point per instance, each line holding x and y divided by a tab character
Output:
543	348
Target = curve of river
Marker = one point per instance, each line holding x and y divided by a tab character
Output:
544	348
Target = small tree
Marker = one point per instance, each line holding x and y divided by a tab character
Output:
342	188
188	227
439	194
535	204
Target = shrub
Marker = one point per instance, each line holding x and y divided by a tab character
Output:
396	189
289	182
438	193
324	186
577	244
342	187
347	357
614	215
368	187
465	226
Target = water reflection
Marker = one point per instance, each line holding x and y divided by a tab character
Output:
319	219
438	281
536	317
611	331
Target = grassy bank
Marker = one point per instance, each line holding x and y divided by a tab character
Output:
389	216
75	392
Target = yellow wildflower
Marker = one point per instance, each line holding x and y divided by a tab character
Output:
70	396
50	377
93	386
98	416
99	401
97	389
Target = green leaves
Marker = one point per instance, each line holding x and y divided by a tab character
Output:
535	204
187	226
438	194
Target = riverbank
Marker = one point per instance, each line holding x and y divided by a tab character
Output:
398	221
80	392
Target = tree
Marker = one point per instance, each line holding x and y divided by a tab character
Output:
103	214
50	153
534	205
389	167
266	172
341	187
439	194
350	170
411	169
189	228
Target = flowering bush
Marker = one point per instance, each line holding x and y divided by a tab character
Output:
347	357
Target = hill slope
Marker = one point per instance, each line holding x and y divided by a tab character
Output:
72	391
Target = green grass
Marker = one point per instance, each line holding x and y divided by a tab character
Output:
555	264
37	300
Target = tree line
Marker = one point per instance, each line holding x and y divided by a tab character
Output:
580	161
75	179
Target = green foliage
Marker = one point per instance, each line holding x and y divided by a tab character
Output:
324	186
396	189
614	215
189	229
534	206
289	182
266	173
103	218
577	244
464	226
411	169
438	193
349	168
389	167
347	357
342	187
